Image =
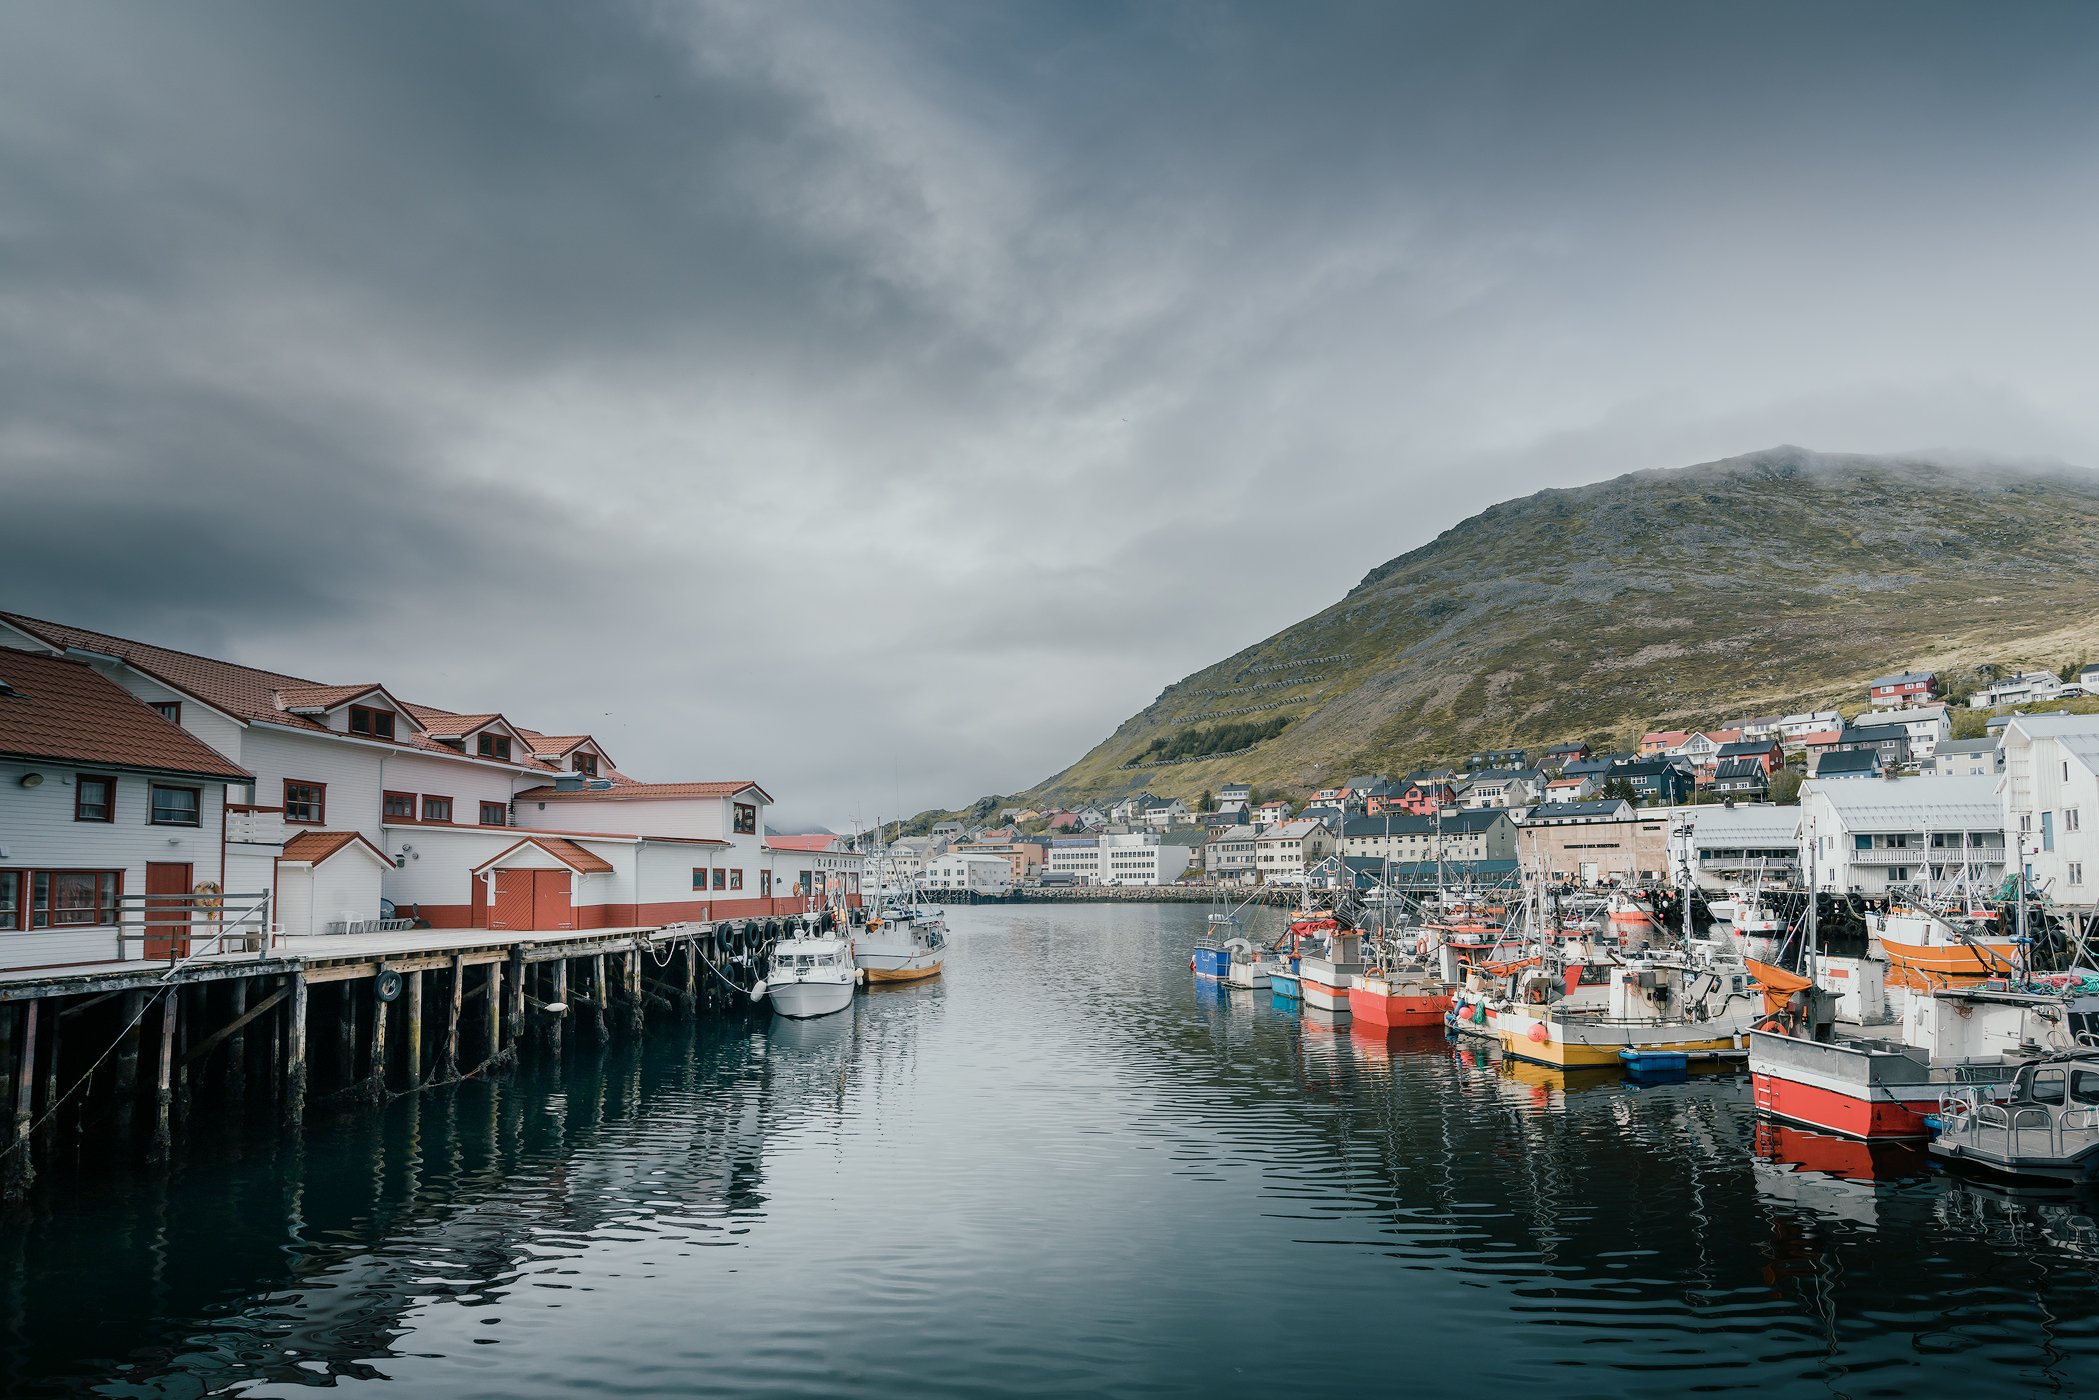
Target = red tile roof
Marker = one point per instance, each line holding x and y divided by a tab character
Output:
67	711
313	847
322	697
639	792
813	841
567	852
250	694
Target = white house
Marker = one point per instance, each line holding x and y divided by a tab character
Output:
1140	858
1284	852
2021	689
1229	855
1743	844
1966	758
1796	726
2050	792
987	875
1868	835
104	803
1928	726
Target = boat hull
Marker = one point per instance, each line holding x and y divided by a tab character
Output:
1213	963
1928	966
917	972
1249	975
1854	1090
1325	984
1565	1045
802	1001
1398	1009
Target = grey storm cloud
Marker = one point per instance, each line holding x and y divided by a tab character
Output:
883	400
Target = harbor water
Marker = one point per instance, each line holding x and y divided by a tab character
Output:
1064	1168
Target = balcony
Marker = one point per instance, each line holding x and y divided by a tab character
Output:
256	826
1930	855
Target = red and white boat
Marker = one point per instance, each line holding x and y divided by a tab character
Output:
1399	997
1884	1080
1628	912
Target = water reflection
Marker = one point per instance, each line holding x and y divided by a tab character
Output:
1068	1168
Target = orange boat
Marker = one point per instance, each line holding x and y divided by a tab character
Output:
1926	952
1399	999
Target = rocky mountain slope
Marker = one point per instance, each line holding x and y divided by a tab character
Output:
1767	582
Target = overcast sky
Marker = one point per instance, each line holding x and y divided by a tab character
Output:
883	401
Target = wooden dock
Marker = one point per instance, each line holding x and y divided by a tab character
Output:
111	1061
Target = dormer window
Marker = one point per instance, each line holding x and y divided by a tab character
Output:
495	746
746	819
586	764
371	723
169	710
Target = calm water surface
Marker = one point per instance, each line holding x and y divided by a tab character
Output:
1063	1169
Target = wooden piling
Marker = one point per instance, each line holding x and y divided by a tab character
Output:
237	1043
412	1052
164	1085
375	1079
452	1009
131	1008
636	1022
492	1026
21	1169
295	1057
692	970
514	1023
554	1023
55	1022
346	1035
597	996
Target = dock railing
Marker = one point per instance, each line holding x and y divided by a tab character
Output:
172	927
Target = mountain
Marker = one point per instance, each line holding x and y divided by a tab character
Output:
1673	598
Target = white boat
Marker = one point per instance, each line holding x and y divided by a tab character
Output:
808	974
902	944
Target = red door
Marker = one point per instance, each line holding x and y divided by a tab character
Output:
164	914
550	900
513	908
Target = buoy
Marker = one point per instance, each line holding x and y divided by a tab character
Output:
1539	1034
758	990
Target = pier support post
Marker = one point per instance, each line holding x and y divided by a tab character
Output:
56	1020
295	1058
375	1081
164	1081
21	1171
554	1023
597	998
412	1052
494	1012
237	1044
636	1022
131	1008
452	1008
514	1024
692	970
346	1035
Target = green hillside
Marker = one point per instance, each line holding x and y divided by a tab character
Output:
1768	582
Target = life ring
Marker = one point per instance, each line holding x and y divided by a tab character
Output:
207	896
386	984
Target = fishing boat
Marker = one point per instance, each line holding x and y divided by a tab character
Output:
1330	954
1627	912
2044	1130
904	938
809	973
1927	949
1670	1002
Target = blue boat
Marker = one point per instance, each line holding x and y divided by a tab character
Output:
1284	983
1212	962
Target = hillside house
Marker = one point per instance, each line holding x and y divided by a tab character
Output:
2025	688
1928	726
1793	727
1903	688
1229	855
1890	741
1966	758
1767	754
1501	788
1662	741
1744	779
1269	813
1283	853
1560	755
1421	796
1486	834
1656	782
1847	763
1236	792
1576	789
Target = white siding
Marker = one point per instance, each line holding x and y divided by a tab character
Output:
706	817
37	832
467	784
350	771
